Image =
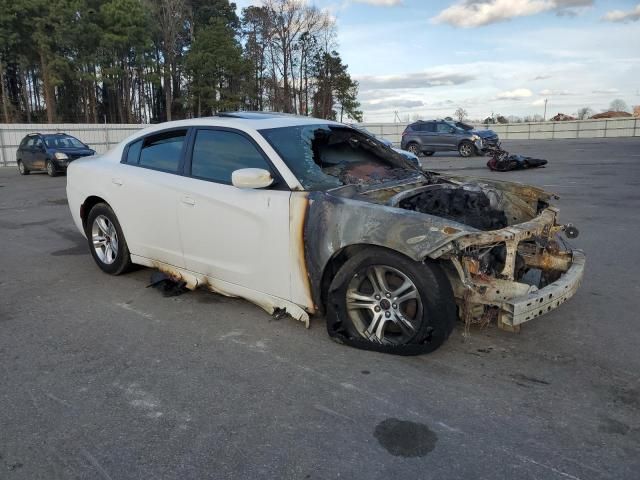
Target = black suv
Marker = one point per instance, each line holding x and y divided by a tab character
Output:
431	136
51	152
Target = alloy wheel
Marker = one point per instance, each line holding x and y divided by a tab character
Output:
384	305
105	239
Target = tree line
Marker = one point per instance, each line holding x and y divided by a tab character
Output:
132	61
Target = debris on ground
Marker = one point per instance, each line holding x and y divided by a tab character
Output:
168	286
503	161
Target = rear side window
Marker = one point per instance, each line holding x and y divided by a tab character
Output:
163	151
133	153
217	153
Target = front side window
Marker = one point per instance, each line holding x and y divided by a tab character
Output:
38	143
445	128
218	153
163	150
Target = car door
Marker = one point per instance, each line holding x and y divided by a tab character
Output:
38	154
446	136
144	193
240	236
24	151
428	136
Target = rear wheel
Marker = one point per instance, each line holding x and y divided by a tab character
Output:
106	240
414	148
381	300
22	169
428	154
51	169
466	149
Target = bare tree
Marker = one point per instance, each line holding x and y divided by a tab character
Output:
171	16
584	113
460	114
618	105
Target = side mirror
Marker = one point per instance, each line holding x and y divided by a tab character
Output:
251	178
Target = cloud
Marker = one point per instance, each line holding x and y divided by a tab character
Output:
622	16
413	80
547	92
538	103
380	3
517	94
393	104
542	77
606	90
476	13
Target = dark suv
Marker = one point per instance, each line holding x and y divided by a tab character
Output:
49	151
431	136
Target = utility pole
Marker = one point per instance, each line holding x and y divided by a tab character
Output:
544	117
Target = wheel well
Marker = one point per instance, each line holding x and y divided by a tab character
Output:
86	207
339	258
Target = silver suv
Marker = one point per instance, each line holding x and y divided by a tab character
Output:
427	137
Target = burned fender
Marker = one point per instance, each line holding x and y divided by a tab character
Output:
333	223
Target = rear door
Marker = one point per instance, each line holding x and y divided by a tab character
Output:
240	236
428	136
24	151
145	191
38	153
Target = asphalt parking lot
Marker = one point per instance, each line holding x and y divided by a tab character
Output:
102	378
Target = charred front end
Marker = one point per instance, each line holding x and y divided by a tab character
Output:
515	264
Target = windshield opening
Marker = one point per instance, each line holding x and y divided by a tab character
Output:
328	156
63	141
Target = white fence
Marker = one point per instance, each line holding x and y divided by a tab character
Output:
606	128
102	137
99	137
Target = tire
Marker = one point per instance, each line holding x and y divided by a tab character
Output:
51	169
466	149
386	323
429	154
414	148
22	169
112	253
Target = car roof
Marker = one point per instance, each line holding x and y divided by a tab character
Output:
242	120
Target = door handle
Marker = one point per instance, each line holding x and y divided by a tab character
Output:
188	201
117	181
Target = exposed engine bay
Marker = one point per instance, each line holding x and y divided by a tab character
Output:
512	248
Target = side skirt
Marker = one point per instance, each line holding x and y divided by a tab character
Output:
194	280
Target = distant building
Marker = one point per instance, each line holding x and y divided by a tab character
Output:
561	117
611	114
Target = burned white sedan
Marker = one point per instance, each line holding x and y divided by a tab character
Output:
301	216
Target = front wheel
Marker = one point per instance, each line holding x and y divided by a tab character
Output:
383	301
106	240
51	169
22	169
466	149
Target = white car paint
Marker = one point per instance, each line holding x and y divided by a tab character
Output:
237	241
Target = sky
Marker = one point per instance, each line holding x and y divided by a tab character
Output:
426	58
